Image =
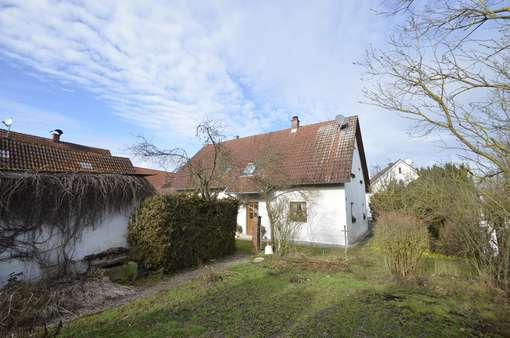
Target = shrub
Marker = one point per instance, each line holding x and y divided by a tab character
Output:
402	239
443	197
172	232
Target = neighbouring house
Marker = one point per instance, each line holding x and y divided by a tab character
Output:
398	171
319	168
161	180
47	185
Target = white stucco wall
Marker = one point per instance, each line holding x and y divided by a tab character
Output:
109	233
325	214
356	201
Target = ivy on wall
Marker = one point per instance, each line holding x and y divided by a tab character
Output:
37	209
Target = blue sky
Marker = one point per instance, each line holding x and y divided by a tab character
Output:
106	71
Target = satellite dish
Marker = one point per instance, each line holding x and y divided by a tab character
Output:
8	122
340	119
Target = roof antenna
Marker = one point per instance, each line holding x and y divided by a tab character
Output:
8	123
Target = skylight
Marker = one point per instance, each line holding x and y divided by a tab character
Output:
250	169
85	165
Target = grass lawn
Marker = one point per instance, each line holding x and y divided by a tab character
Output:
316	292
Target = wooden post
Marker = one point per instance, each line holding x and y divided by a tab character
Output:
255	239
259	226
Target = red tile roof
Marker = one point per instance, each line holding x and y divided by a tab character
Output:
318	153
159	179
23	152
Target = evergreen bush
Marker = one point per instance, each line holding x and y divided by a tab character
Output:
173	232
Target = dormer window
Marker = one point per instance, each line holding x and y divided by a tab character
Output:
250	169
86	165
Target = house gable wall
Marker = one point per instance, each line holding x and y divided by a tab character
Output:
406	174
355	200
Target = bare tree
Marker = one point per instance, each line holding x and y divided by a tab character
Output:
276	188
447	69
206	172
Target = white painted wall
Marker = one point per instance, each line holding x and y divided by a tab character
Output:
110	232
356	201
325	214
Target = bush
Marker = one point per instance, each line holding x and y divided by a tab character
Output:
172	232
402	239
444	198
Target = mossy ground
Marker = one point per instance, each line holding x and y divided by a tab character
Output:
316	292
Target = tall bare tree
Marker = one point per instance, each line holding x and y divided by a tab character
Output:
206	172
447	68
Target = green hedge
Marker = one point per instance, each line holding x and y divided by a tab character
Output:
173	232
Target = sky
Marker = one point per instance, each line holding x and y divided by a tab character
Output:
106	72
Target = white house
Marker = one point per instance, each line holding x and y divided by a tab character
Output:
398	171
322	172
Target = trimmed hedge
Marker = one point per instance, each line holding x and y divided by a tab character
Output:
173	232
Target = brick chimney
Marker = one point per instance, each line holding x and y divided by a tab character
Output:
294	124
56	135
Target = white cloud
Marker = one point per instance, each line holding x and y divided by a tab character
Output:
168	65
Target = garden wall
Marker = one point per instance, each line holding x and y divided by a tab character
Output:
110	232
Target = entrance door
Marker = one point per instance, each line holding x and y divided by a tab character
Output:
252	213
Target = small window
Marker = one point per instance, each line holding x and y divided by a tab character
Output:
4	153
297	211
250	169
399	170
85	165
228	168
353	175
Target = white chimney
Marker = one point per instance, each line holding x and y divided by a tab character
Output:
294	124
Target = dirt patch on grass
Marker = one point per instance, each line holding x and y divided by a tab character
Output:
315	264
25	307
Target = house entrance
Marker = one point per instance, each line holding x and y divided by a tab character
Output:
252	213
